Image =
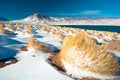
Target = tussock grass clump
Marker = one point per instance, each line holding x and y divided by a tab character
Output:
36	26
81	52
9	27
51	32
28	29
58	34
37	45
2	30
43	28
17	26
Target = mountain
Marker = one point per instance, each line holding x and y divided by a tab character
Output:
38	18
3	19
43	19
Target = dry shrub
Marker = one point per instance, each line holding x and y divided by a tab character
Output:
36	26
66	39
2	29
58	34
9	27
113	35
17	26
70	32
110	34
37	45
51	32
43	28
65	29
81	51
28	29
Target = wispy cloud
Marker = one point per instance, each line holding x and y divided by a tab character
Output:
88	12
73	14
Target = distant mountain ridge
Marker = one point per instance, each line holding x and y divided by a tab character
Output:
38	18
43	19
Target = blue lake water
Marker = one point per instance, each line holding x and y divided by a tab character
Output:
96	27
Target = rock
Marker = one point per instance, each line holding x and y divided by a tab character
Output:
24	48
4	63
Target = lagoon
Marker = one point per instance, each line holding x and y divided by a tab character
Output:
96	27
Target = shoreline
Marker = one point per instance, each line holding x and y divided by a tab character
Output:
60	23
85	25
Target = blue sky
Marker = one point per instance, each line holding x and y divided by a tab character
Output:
18	9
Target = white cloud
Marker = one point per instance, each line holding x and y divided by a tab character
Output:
87	12
68	14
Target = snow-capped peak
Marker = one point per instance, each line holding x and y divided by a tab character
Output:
38	18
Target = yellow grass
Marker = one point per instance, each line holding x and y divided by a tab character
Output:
17	26
81	51
37	45
2	29
43	28
28	29
9	27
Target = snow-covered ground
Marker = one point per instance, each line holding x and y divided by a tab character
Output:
31	65
31	68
